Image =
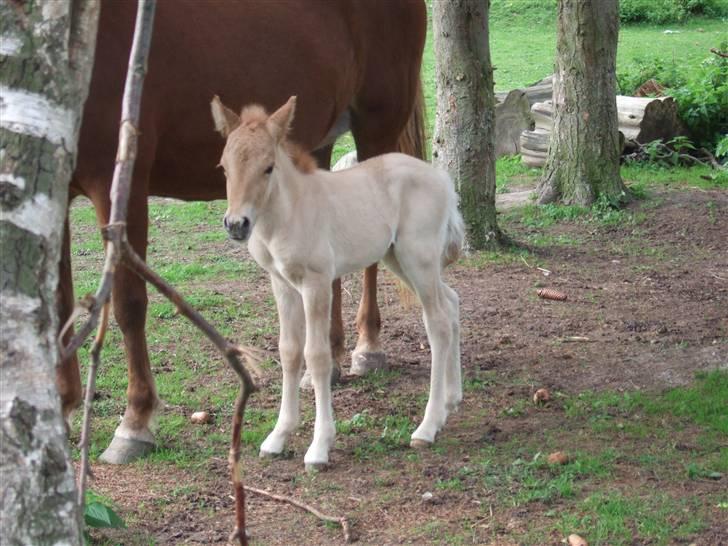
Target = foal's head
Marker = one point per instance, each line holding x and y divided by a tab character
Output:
249	159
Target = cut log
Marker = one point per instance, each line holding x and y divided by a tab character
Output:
640	120
537	92
512	117
645	119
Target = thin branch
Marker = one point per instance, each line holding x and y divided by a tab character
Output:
83	444
719	53
341	521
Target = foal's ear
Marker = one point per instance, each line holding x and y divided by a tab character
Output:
226	121
279	123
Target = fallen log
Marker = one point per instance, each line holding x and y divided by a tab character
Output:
538	92
641	120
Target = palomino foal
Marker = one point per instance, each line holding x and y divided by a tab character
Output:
307	227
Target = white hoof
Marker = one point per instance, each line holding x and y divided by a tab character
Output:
363	363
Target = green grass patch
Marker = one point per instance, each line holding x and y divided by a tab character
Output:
612	517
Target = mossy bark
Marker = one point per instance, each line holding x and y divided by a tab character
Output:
583	157
45	67
464	140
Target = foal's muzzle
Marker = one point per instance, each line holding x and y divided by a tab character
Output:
238	229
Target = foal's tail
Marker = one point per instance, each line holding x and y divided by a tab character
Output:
455	238
413	140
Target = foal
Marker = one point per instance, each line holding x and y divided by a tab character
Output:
307	227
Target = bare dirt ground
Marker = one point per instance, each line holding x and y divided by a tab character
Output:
647	307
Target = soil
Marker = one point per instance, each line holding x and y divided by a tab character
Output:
646	308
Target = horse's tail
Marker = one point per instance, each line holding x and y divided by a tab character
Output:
455	237
412	141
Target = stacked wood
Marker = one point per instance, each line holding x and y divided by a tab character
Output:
641	119
512	117
537	92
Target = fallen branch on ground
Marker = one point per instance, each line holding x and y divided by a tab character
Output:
341	521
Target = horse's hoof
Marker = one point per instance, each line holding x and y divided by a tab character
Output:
125	450
307	385
316	467
267	454
416	443
364	363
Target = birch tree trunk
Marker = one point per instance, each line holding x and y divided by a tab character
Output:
46	55
464	143
583	156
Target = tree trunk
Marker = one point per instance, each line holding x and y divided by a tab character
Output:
47	52
583	157
465	126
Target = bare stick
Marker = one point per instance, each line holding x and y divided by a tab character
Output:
342	521
231	353
85	470
719	53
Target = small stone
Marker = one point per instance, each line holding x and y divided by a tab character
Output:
558	457
541	396
576	540
200	418
427	496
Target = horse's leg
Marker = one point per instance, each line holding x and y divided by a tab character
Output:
438	316
68	377
372	138
133	437
453	375
290	346
368	354
337	336
317	352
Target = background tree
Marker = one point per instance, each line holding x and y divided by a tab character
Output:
583	157
46	55
465	124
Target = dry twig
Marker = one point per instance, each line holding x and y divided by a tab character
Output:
342	521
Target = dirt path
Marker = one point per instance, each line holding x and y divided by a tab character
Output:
647	307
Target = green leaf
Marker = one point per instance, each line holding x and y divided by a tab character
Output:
98	515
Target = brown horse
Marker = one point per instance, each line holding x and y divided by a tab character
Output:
354	65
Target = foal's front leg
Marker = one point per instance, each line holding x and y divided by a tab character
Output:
290	346
316	294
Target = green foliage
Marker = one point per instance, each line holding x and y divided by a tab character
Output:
641	68
98	514
701	93
703	100
630	11
721	150
669	11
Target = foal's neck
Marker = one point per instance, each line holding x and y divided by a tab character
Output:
287	188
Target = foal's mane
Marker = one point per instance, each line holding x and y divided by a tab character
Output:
254	115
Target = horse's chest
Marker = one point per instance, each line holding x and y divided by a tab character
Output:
281	262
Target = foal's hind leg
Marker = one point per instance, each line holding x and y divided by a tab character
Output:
290	346
453	378
420	268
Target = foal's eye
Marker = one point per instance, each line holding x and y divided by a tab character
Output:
269	169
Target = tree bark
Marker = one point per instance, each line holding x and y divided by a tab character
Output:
583	157
46	57
465	126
